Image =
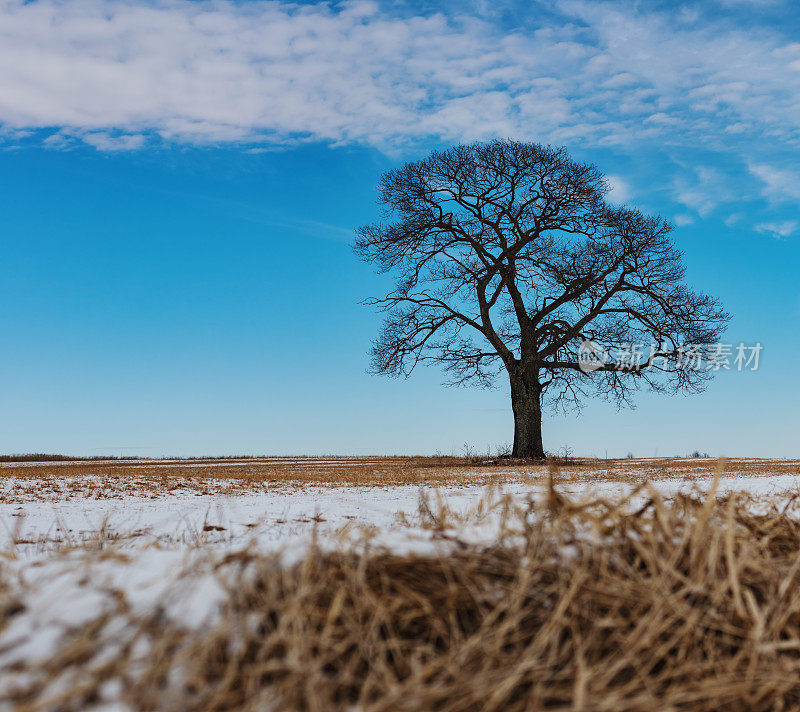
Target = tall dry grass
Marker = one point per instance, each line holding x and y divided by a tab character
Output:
644	604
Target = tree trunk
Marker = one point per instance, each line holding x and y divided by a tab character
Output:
526	402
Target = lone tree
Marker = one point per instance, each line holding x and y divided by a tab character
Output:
507	257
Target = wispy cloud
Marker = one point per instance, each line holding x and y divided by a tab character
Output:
116	74
618	189
780	184
778	229
683	219
703	190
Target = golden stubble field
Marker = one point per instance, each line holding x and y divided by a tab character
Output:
108	479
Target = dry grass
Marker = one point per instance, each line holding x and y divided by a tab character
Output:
53	481
683	605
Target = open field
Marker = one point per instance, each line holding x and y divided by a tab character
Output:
108	479
399	584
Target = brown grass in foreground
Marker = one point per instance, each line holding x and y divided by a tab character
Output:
680	605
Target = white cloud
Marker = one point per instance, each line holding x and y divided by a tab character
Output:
683	219
105	141
779	183
703	191
203	72
778	229
753	3
271	73
618	190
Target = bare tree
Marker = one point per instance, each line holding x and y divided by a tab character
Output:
508	258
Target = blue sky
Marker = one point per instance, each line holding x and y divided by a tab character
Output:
179	183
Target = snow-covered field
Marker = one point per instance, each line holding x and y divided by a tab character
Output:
69	557
281	518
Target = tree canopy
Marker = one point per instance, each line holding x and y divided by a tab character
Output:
508	257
